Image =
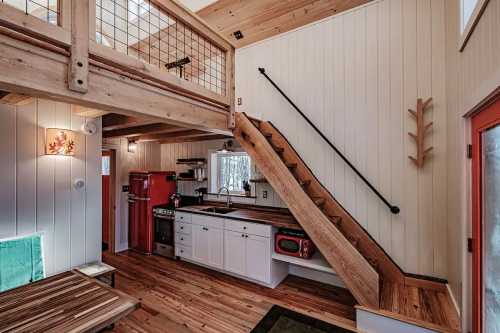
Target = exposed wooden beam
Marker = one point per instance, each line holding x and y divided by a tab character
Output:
261	19
138	130
176	134
78	70
113	121
29	69
195	139
14	99
88	112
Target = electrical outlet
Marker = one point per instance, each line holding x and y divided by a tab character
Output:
264	194
240	101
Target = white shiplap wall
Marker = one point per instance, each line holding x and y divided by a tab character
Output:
36	190
471	76
355	75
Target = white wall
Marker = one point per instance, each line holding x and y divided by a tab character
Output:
355	75
146	157
36	190
471	76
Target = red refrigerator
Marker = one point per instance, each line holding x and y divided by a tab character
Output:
147	189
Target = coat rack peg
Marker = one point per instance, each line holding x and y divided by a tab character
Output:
422	129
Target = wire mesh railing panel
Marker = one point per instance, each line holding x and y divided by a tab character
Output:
47	10
146	32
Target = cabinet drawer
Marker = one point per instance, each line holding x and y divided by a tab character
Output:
183	239
183	217
183	251
184	228
208	221
263	230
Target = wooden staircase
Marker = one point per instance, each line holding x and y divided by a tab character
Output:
352	253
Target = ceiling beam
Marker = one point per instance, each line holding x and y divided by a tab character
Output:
115	121
14	99
195	139
138	130
177	134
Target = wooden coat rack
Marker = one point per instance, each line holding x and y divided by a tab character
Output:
422	129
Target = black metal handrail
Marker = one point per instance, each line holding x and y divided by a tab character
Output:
394	209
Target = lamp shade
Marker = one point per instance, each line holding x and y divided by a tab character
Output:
60	142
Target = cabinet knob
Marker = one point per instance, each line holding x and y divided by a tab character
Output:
244	228
182	228
182	251
182	238
242	235
246	236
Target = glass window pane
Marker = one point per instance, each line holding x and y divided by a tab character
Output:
491	235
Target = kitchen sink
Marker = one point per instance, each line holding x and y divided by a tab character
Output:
218	210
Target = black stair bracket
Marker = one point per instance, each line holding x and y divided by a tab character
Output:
394	209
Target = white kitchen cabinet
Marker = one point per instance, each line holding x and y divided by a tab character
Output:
258	258
234	252
207	242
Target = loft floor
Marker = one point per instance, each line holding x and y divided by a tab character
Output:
181	297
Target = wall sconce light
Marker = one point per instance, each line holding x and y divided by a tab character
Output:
60	142
132	146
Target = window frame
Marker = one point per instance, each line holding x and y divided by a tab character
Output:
214	181
467	28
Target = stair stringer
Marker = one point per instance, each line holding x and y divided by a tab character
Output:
367	246
352	268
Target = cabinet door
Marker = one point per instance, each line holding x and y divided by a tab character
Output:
234	252
258	258
215	247
200	242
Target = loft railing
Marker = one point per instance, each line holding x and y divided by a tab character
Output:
145	30
155	42
394	209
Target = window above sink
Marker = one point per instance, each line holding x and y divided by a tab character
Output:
230	170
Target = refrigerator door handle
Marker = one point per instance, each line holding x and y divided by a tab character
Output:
142	199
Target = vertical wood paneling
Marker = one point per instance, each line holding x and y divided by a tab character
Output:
62	195
26	168
45	183
77	226
93	209
355	75
38	187
8	171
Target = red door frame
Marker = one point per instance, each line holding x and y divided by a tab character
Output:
484	120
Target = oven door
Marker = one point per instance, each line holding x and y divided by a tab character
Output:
164	236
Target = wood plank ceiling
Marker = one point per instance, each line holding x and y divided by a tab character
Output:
142	130
261	19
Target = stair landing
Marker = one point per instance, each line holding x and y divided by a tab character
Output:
427	307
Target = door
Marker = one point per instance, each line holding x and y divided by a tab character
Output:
215	247
234	252
108	200
486	219
258	255
201	244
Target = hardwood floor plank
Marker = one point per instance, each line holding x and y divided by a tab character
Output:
181	297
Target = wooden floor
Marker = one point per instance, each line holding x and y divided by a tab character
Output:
180	297
426	307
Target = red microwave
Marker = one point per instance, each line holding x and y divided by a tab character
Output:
294	243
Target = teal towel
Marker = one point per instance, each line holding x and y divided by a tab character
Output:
21	262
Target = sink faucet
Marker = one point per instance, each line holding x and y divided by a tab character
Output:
229	202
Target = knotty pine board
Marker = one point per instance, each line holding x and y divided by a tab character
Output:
37	191
354	75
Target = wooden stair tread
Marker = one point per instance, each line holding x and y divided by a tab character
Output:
424	307
318	201
290	165
267	135
305	183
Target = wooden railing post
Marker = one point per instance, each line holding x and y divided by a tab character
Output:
230	86
79	61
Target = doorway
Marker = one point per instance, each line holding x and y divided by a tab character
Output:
486	219
108	200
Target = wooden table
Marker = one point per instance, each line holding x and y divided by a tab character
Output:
68	302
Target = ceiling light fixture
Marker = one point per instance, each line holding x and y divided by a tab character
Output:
227	147
132	146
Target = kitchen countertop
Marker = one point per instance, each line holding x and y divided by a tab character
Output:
258	215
